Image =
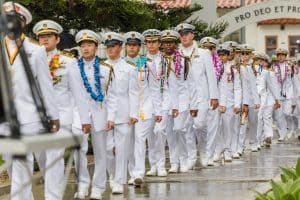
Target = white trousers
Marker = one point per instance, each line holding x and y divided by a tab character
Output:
54	175
280	117
265	121
207	127
80	160
157	141
110	156
251	124
176	139
229	130
22	169
298	113
142	130
122	139
130	151
191	141
99	149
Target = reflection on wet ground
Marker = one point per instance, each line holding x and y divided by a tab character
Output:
233	181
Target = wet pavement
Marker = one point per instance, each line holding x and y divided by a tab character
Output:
233	181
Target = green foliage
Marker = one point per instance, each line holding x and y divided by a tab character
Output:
286	189
1	160
116	15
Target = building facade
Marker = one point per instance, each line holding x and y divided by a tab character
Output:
265	35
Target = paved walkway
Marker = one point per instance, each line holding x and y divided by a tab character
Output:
234	181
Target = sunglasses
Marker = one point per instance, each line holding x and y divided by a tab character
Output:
245	53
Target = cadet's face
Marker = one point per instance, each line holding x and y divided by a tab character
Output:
50	41
281	57
169	47
187	38
264	63
223	57
153	46
88	49
132	50
114	52
231	56
245	56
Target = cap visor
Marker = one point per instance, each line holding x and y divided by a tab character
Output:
112	42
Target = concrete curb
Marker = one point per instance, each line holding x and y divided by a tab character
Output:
264	187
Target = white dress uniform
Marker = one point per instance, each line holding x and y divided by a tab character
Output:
250	98
67	85
230	97
185	88
149	90
296	82
190	134
209	141
100	111
127	83
268	92
283	72
157	139
27	113
206	121
26	110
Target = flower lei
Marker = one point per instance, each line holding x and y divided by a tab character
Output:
286	71
230	75
53	66
141	62
296	69
177	63
99	96
217	65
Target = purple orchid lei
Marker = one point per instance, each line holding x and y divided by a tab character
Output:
217	65
177	63
286	72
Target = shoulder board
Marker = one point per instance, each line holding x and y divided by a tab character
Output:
67	54
106	64
131	63
149	59
34	41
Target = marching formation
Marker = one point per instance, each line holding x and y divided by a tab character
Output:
198	100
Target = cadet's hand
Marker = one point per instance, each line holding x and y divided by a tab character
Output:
158	119
86	128
276	105
55	125
245	108
222	109
293	108
132	120
194	113
236	110
214	103
175	113
109	126
257	106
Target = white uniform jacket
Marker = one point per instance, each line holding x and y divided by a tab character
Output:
230	87
24	103
127	90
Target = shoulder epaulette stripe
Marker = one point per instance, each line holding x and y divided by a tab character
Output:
132	64
34	41
67	54
106	64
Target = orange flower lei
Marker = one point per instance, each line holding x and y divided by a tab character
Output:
53	66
